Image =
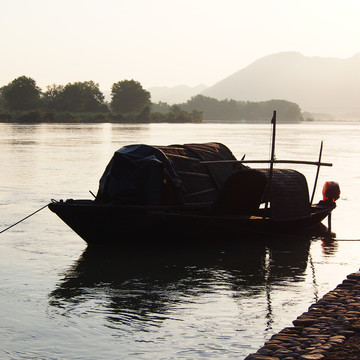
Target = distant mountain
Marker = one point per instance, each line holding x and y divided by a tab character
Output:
316	84
175	95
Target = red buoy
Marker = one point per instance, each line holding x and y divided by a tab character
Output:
331	191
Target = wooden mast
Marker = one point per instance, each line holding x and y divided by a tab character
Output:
317	174
272	158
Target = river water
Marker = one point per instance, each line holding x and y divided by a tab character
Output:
60	300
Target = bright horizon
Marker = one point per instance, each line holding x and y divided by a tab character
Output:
165	42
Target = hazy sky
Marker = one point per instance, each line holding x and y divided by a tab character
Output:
165	42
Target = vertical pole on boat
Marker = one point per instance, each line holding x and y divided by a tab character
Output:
317	173
268	192
329	222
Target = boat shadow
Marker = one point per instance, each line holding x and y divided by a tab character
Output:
144	286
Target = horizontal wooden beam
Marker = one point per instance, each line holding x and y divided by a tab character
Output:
192	173
209	162
201	192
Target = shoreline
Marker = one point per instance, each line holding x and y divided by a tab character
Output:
322	332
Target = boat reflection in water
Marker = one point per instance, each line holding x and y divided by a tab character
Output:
138	289
329	244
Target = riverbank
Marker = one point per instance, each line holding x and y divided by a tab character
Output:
329	330
143	117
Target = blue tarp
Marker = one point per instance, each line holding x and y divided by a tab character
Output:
136	173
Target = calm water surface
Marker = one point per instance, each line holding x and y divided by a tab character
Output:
60	300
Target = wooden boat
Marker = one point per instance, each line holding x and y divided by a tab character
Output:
194	192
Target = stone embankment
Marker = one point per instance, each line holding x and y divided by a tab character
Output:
318	332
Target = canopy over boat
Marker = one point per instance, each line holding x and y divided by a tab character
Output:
154	175
177	175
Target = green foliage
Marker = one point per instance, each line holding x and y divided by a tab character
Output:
128	96
77	97
2	101
51	97
39	116
141	117
21	100
161	107
30	116
21	94
5	117
176	115
223	110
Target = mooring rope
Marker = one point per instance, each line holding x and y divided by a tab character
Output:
18	222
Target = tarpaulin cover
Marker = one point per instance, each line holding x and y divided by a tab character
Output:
154	175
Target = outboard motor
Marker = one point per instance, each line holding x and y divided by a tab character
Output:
331	191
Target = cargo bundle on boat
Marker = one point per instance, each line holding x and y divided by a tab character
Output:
154	194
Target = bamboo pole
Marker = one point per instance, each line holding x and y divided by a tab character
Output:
272	158
302	162
317	173
180	172
201	192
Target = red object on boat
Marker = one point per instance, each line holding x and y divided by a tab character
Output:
331	191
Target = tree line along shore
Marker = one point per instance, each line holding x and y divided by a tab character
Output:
23	101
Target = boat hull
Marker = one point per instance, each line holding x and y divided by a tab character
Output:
129	226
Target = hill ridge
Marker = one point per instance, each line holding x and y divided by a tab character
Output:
316	84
